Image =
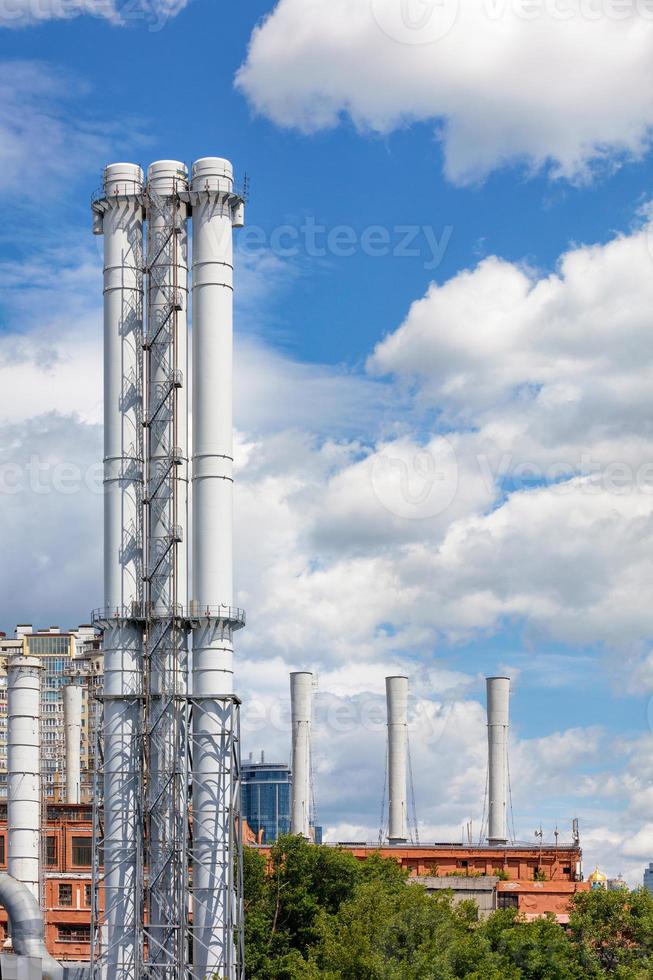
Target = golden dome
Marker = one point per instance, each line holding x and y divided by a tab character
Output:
597	877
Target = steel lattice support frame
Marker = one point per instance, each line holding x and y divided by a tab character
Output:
216	849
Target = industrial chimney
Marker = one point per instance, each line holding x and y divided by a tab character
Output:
217	209
301	696
154	721
498	699
72	712
166	555
24	771
160	919
397	698
119	217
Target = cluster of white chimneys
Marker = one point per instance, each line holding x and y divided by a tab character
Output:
24	760
498	697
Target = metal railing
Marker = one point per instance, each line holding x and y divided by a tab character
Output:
140	612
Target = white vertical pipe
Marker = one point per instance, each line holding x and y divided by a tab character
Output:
72	712
122	227
24	771
212	476
213	442
301	697
168	388
397	700
498	703
168	179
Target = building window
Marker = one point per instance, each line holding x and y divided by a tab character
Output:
66	895
51	852
88	895
2	850
74	934
507	900
82	851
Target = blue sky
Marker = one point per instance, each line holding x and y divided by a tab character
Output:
509	349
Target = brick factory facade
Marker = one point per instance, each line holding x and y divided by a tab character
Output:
534	880
537	880
517	862
67	853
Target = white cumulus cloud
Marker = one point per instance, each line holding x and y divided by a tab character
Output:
564	85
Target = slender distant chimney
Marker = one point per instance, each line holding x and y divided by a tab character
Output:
24	771
301	696
397	698
498	701
72	709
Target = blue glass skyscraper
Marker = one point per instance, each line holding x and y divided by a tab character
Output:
266	798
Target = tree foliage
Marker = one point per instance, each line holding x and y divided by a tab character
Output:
318	913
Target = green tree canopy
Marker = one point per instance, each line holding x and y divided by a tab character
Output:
318	913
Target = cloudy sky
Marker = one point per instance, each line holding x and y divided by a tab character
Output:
445	297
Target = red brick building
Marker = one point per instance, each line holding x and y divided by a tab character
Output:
67	855
519	862
538	880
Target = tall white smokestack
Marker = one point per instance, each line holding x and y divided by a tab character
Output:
120	219
24	771
167	562
397	698
498	700
72	712
301	697
216	210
